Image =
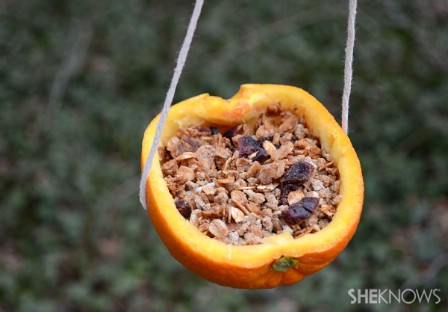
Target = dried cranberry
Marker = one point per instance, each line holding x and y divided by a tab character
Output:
300	211
298	173
248	145
183	208
286	189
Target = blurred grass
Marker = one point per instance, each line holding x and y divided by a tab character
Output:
80	80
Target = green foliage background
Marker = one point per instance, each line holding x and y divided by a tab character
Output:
80	80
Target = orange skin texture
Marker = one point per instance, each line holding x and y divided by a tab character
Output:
251	266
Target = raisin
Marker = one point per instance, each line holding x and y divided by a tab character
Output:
231	132
183	208
309	203
248	145
300	211
295	215
298	173
285	190
214	130
262	156
268	138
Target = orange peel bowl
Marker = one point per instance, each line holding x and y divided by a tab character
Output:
280	259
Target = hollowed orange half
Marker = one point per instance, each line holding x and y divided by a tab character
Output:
280	259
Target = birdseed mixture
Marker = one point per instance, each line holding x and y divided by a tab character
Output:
243	184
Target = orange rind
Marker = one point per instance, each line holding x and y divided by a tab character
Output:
280	259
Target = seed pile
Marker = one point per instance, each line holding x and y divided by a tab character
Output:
242	184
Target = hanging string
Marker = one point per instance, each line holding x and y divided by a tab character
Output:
348	70
169	97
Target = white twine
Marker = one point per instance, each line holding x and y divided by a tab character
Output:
348	70
169	97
